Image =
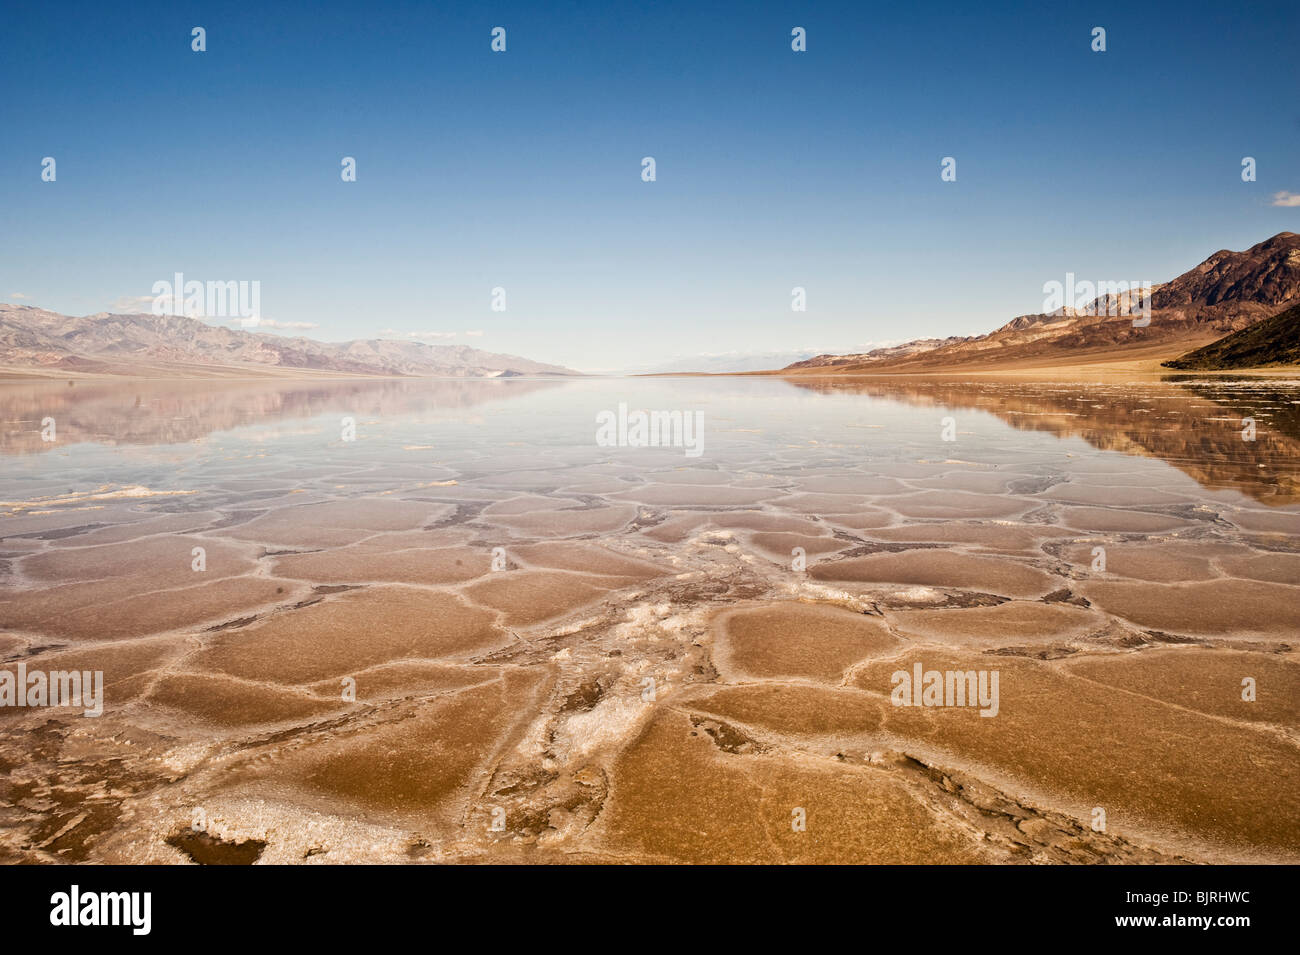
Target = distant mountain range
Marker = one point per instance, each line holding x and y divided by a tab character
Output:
1228	292
34	341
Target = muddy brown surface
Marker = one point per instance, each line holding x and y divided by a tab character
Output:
474	636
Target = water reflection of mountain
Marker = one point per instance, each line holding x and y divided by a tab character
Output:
169	412
1194	425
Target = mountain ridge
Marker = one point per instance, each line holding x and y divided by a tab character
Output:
1225	293
41	342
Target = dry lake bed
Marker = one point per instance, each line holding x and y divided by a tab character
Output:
440	621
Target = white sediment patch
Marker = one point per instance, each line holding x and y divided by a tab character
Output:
573	628
613	719
918	593
292	834
641	617
104	492
806	589
185	758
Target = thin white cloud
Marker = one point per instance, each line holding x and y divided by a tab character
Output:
474	334
18	295
1287	200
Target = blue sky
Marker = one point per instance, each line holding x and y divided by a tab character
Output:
522	169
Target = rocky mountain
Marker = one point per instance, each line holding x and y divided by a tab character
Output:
1274	341
1226	293
36	341
904	350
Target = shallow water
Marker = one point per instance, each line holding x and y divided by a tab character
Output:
559	650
